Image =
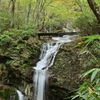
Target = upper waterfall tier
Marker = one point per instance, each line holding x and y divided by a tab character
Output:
47	56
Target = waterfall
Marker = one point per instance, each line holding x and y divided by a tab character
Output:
20	95
46	60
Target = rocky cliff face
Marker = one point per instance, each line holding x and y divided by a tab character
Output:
68	66
19	56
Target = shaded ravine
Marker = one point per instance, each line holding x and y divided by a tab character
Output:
48	54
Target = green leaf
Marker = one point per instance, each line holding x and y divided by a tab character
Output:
75	97
94	73
97	81
88	72
90	38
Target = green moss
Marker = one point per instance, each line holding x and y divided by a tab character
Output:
1	88
7	93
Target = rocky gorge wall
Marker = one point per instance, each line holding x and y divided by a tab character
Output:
18	57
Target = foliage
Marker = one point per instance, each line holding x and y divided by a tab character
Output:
4	39
86	21
4	19
92	50
90	39
90	88
98	2
7	92
94	75
63	11
20	43
86	24
13	34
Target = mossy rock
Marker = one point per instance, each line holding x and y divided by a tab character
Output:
8	94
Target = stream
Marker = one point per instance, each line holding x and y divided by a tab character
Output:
46	60
20	95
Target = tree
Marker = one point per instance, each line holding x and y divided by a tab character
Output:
28	11
95	8
38	11
12	12
0	2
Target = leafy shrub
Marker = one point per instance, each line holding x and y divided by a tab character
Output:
4	19
5	39
90	88
87	24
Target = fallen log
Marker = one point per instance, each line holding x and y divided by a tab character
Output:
56	34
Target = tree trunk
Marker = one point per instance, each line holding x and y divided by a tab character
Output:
9	3
0	3
39	13
28	12
17	14
80	5
12	13
94	7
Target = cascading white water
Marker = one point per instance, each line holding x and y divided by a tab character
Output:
20	95
48	53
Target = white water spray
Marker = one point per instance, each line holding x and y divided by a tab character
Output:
20	95
48	53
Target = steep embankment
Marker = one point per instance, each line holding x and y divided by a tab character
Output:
19	53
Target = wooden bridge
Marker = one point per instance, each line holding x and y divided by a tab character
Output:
56	34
